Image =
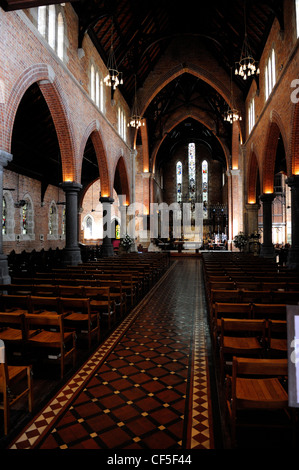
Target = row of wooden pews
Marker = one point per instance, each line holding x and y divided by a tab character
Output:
43	318
247	298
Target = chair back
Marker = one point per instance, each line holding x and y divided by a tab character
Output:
268	367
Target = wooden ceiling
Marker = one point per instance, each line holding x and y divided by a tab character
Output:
141	30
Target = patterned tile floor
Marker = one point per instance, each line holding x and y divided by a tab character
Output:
146	386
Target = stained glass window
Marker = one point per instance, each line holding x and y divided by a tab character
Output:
88	227
179	182
53	220
204	179
25	219
192	174
63	222
4	214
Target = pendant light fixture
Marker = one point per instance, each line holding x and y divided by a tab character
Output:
114	77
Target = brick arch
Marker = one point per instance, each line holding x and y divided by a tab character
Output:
180	117
93	131
252	178
274	130
222	88
123	174
44	76
293	159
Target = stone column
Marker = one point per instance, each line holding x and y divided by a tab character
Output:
252	217
267	248
107	247
72	253
5	158
293	255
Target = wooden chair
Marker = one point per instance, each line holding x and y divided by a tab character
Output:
9	377
11	302
275	311
13	331
285	297
44	305
222	296
249	285
47	290
255	385
117	295
277	338
256	296
70	291
49	336
228	310
101	302
241	337
78	317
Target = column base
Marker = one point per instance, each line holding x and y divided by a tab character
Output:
4	274
293	259
107	248
267	251
71	257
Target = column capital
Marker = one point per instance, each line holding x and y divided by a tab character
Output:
5	158
252	207
267	197
293	180
71	186
233	172
106	199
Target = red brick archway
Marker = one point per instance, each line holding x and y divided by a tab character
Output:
252	179
177	119
44	76
122	171
222	88
93	132
294	157
275	129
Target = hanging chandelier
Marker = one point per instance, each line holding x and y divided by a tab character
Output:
247	66
232	114
135	120
114	77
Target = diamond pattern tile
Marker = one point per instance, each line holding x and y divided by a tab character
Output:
146	386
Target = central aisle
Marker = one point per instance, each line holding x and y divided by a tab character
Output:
146	386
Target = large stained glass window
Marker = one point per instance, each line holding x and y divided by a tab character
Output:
204	179
192	174
179	180
4	216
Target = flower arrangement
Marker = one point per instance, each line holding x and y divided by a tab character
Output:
256	235
126	242
240	240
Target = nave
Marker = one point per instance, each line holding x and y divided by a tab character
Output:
153	383
145	387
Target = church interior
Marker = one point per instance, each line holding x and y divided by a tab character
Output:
149	253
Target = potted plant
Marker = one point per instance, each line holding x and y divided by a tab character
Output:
126	243
240	241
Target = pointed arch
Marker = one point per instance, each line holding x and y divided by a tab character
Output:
252	178
275	129
121	170
44	76
293	156
93	131
180	117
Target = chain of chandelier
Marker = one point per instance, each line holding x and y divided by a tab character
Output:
245	68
